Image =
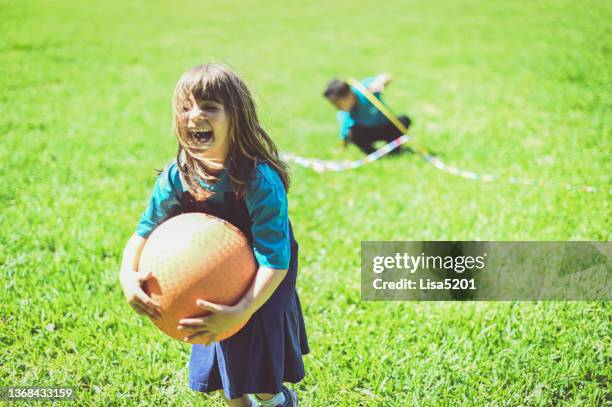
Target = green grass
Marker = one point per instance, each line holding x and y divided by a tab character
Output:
510	88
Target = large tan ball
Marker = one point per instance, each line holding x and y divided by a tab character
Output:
196	256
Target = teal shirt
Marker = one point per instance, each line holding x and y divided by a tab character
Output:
265	199
363	114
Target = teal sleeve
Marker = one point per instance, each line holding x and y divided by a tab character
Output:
346	122
266	201
164	202
368	81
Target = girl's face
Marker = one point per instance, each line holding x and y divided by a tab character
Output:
209	126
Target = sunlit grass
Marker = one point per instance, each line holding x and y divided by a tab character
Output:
510	88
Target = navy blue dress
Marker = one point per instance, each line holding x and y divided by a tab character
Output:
268	350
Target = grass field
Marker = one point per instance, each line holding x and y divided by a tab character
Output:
510	88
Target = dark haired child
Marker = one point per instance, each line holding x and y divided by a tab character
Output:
360	121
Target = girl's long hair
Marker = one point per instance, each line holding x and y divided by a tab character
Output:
249	144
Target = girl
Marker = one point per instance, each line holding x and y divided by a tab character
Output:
228	166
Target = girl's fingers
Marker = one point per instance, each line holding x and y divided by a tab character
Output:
209	306
141	301
147	301
193	321
191	328
144	297
137	309
142	310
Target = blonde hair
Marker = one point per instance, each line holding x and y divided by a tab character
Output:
249	144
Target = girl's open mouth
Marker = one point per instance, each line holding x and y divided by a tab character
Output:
203	136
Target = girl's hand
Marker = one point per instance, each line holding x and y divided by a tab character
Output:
131	283
222	318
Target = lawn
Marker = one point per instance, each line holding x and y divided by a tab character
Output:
510	88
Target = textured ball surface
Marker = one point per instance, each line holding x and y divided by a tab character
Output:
196	256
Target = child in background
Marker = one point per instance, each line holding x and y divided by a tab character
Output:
360	121
228	166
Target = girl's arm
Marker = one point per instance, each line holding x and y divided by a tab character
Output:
131	279
264	284
164	201
163	204
131	254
